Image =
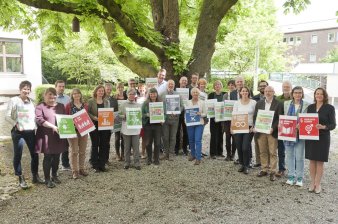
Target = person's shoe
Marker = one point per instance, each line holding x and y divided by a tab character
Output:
197	162
191	158
143	156
126	167
250	166
66	168
246	170
82	172
280	173
103	169
75	174
262	173
221	155
148	162
257	165
291	180
22	182
204	155
164	157
156	163
137	167
232	158
312	188
118	158
109	163
50	184
272	176
37	180
213	157
228	158
299	182
241	169
56	180
318	190
236	161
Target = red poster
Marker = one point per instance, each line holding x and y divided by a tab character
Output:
307	126
83	123
287	128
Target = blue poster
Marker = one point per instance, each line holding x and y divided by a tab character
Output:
191	116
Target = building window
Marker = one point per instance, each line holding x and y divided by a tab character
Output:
313	58
298	40
330	37
11	56
314	38
284	39
291	40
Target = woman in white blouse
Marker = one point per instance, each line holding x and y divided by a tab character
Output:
243	140
195	132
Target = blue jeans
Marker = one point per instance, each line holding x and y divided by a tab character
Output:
19	138
295	156
195	140
281	156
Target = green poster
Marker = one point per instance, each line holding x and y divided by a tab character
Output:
66	126
134	118
156	112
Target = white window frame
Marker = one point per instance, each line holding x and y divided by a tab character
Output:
332	39
312	58
4	56
296	40
314	38
291	42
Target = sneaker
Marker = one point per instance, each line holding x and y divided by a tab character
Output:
22	182
66	168
290	181
50	184
299	182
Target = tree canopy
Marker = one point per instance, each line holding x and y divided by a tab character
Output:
143	34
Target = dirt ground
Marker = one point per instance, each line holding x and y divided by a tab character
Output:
173	192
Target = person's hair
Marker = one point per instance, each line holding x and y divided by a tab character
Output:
131	79
108	84
195	73
59	81
153	90
170	80
120	84
297	88
240	77
50	90
141	85
129	90
96	89
326	96
75	90
263	81
231	81
194	89
247	88
162	70
183	77
202	81
218	81
24	84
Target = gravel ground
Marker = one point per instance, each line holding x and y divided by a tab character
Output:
174	192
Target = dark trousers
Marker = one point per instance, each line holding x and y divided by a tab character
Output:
216	138
152	133
65	158
50	162
182	128
243	143
230	146
281	156
19	138
119	143
108	145
100	146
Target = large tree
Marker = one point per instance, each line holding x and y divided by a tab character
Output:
134	25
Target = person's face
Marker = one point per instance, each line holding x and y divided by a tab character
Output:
108	90
153	96
142	90
161	76
319	96
239	83
25	91
297	95
131	96
100	92
231	87
183	82
194	79
49	98
60	88
195	94
132	84
286	88
244	93
202	86
120	88
262	86
217	87
171	86
76	96
268	93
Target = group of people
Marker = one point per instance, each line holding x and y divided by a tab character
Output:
37	126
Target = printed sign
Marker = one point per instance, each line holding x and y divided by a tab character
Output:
287	128
191	116
307	126
203	96
119	103
172	104
117	122
156	112
83	123
228	108
184	94
219	111
210	104
240	122
66	126
134	118
25	119
264	121
105	118
151	83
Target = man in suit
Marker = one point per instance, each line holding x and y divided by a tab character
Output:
268	142
239	82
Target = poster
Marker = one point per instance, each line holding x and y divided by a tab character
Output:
240	122
105	119
184	94
156	112
191	116
119	103
307	126
25	119
117	122
83	123
219	111
203	96
264	121
134	118
172	104
287	129
151	83
210	104
66	126
228	108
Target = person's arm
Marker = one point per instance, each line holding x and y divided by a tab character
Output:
40	119
331	119
11	109
91	110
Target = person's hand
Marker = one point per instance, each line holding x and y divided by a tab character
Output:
95	118
55	129
198	113
319	126
254	130
251	130
18	127
297	126
271	130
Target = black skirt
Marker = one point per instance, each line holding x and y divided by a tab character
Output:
318	150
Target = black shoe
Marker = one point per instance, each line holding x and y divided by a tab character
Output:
56	180
148	162
213	157
228	158
250	166
22	182
241	169
236	161
246	170
126	167
37	180
137	167
103	169
262	174
50	184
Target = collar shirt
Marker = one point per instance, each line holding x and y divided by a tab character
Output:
268	104
63	98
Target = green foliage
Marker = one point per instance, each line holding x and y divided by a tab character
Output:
174	53
296	6
332	56
39	90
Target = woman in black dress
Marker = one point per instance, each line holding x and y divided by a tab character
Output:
318	151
